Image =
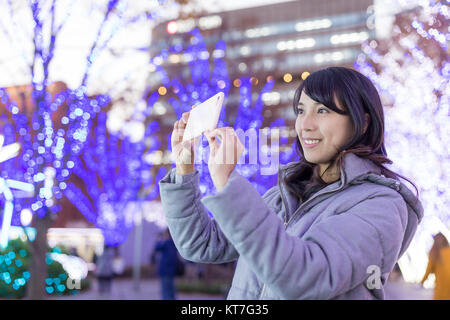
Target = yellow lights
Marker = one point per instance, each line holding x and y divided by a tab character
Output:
237	83
269	78
254	81
305	75
162	91
287	77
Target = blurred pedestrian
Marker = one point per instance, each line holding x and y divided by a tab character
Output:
118	263
105	271
167	265
439	265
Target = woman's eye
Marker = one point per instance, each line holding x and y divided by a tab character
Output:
321	110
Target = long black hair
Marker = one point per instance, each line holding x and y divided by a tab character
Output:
358	96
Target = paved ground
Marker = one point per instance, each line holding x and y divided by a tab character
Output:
124	289
400	290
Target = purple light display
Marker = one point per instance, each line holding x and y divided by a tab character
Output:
411	71
207	80
114	174
48	148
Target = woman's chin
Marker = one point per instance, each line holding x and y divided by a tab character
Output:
316	160
313	160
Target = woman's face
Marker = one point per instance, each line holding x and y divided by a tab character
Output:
321	131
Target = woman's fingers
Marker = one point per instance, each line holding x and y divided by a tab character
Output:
184	118
181	123
224	133
179	126
230	146
178	130
214	145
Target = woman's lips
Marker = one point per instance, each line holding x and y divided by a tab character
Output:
310	143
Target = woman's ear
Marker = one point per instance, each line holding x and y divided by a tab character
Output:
366	122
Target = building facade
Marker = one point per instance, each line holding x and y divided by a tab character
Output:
285	42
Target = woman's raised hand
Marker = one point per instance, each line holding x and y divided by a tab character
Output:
183	152
224	157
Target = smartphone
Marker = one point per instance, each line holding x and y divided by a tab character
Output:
204	117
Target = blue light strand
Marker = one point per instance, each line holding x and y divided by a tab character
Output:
93	51
114	175
59	144
204	84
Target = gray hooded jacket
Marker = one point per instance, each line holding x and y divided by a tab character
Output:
341	243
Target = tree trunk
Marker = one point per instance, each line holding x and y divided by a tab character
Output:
38	266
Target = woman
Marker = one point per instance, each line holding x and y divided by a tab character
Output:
439	264
333	227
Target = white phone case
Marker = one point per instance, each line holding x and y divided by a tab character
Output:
204	117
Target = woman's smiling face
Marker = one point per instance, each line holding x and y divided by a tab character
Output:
321	131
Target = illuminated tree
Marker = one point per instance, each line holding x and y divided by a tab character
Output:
411	71
51	126
208	75
115	174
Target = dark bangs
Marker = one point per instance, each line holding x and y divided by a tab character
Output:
320	87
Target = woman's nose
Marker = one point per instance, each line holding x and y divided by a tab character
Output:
308	122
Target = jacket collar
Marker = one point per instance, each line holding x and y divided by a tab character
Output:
355	170
353	167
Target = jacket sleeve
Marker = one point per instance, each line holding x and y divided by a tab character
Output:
196	236
330	259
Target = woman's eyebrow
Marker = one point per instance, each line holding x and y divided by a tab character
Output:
314	104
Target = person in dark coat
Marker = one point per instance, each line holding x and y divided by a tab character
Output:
104	271
167	265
